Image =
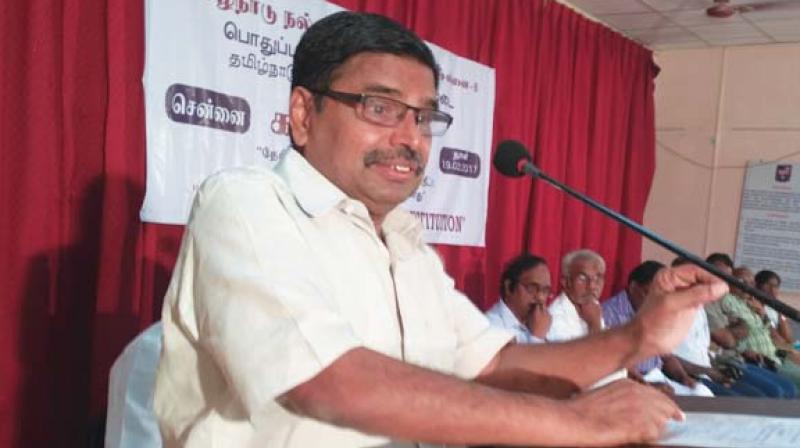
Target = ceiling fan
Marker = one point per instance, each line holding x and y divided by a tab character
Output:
723	8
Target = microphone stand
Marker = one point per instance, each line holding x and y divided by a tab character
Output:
766	299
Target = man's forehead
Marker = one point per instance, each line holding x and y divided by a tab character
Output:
429	99
383	73
586	264
539	271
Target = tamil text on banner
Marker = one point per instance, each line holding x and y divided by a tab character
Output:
217	79
769	221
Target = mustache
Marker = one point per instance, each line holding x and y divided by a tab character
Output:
380	156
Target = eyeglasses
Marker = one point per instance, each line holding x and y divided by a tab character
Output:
582	277
534	288
390	112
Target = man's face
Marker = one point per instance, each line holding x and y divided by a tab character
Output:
723	267
584	281
746	276
377	165
772	287
533	288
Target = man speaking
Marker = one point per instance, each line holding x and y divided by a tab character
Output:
305	310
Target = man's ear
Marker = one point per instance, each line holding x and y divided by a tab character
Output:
507	288
637	294
301	107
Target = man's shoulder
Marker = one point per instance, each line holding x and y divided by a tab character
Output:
714	307
240	177
619	299
561	305
244	194
617	310
495	313
729	299
239	185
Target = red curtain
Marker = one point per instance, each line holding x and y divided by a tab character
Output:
81	275
580	96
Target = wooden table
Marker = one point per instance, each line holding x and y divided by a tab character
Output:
739	405
735	405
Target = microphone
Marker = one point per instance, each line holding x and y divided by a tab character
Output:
512	159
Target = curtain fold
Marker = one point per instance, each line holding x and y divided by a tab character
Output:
81	274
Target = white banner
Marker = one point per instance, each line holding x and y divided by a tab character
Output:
216	80
769	222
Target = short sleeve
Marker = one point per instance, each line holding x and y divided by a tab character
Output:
615	313
478	340
716	316
259	306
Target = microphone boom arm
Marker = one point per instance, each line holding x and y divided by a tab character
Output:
762	297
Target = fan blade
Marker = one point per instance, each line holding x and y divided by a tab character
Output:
776	5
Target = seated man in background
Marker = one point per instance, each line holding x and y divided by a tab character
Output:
576	312
620	309
758	346
726	330
770	282
522	307
728	374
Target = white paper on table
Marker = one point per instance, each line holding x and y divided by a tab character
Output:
703	429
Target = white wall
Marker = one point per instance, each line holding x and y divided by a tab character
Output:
716	109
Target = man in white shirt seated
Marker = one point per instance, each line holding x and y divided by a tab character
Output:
522	307
130	420
576	312
621	308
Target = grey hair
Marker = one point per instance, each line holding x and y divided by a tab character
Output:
580	254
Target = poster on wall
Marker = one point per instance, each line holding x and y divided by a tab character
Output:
217	79
769	221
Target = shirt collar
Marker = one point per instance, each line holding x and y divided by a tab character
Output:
507	315
316	195
400	222
562	302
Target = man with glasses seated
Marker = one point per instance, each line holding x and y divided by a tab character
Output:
576	312
522	307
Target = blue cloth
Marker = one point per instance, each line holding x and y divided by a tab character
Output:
755	382
618	311
772	384
738	389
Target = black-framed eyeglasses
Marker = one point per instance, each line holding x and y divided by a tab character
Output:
389	112
536	289
583	277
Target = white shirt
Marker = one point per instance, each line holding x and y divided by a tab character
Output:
699	389
130	420
280	274
501	316
694	348
773	316
568	324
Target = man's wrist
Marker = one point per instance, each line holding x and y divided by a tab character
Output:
628	341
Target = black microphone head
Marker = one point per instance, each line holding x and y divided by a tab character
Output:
508	156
